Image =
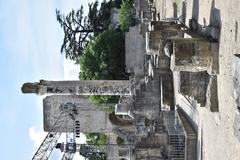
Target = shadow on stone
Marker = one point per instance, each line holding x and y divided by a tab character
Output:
215	19
117	120
195	10
213	30
174	10
194	85
237	55
212	94
184	12
236	81
236	86
236	30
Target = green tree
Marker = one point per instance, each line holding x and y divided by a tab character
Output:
79	29
93	140
117	3
120	141
127	15
96	138
92	153
103	59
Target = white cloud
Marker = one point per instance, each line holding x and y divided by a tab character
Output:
37	135
71	70
80	140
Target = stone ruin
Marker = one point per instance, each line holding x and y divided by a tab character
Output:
147	116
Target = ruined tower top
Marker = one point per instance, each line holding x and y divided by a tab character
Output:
81	87
30	88
36	87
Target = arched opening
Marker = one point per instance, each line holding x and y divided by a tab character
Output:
117	120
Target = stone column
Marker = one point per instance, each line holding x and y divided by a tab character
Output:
156	40
82	87
191	54
164	25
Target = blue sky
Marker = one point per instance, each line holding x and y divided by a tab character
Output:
30	40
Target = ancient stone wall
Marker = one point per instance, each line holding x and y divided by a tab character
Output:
194	84
134	51
191	56
91	118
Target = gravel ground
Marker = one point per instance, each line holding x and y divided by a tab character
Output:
219	132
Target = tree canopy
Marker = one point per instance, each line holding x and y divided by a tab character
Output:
79	29
91	153
92	150
127	15
103	58
89	42
96	138
117	3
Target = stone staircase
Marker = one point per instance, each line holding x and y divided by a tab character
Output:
151	142
191	137
158	125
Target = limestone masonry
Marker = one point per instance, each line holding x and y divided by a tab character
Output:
174	72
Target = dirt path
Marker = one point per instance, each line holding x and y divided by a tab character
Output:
220	139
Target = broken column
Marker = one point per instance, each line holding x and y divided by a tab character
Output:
191	55
164	25
82	87
194	84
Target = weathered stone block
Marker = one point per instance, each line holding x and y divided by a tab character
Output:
91	118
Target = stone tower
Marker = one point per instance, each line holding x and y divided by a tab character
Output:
69	110
82	87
